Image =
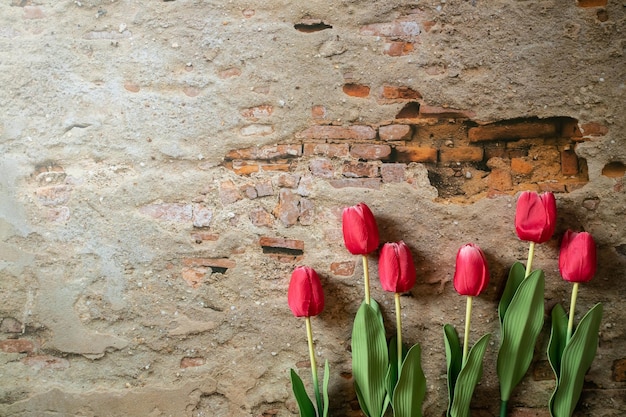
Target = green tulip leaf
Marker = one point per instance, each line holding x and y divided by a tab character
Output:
468	378
304	402
411	387
454	358
575	362
392	374
516	276
520	327
558	339
325	388
369	360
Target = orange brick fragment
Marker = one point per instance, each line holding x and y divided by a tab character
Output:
510	131
278	242
356	90
416	154
355	132
461	154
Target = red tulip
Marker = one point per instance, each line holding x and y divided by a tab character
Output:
577	258
305	295
360	232
395	267
535	216
472	273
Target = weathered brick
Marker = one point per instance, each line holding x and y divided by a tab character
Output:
369	151
619	370
461	154
329	150
355	132
45	362
410	111
132	87
343	269
569	162
191	91
258	112
229	193
500	180
288	180
287	210
497	150
594	129
356	90
202	236
249	191
358	169
395	132
318	112
16	346
398	48
220	263
279	242
264	188
194	277
592	3
256	130
435	132
305	186
393	173
416	154
275	167
521	166
229	73
552	187
510	131
10	325
260	217
201	215
571	129
307	212
444	112
321	167
190	362
372	183
172	212
400	93
55	195
33	12
243	167
401	28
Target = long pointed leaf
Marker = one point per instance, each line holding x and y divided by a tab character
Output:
408	396
369	360
325	388
454	358
304	402
558	339
469	376
576	361
521	326
516	276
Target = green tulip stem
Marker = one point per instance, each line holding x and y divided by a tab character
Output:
572	307
316	385
503	407
468	315
529	262
366	280
399	331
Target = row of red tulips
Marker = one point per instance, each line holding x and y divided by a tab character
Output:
387	374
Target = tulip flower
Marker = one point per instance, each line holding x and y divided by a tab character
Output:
471	277
535	220
306	299
360	235
577	263
397	274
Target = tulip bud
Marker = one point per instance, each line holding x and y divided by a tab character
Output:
472	273
535	216
395	267
360	232
305	295
577	257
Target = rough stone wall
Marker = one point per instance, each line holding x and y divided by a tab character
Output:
166	164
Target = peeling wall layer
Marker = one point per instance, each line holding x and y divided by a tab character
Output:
165	165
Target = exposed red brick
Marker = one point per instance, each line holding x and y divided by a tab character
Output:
192	362
330	150
307	212
592	3
497	150
284	167
500	180
222	263
305	186
553	187
369	151
322	167
194	276
594	129
200	237
284	258
372	183
201	215
356	90
288	180
401	28
359	169
279	242
391	92
46	362
395	132
343	269
392	173
318	112
444	112
257	112
510	131
571	129
172	212
521	166
416	154
461	154
243	167
260	217
16	346
397	48
409	111
249	191
264	188
287	209
229	193
619	370
569	162
229	73
356	132
132	87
